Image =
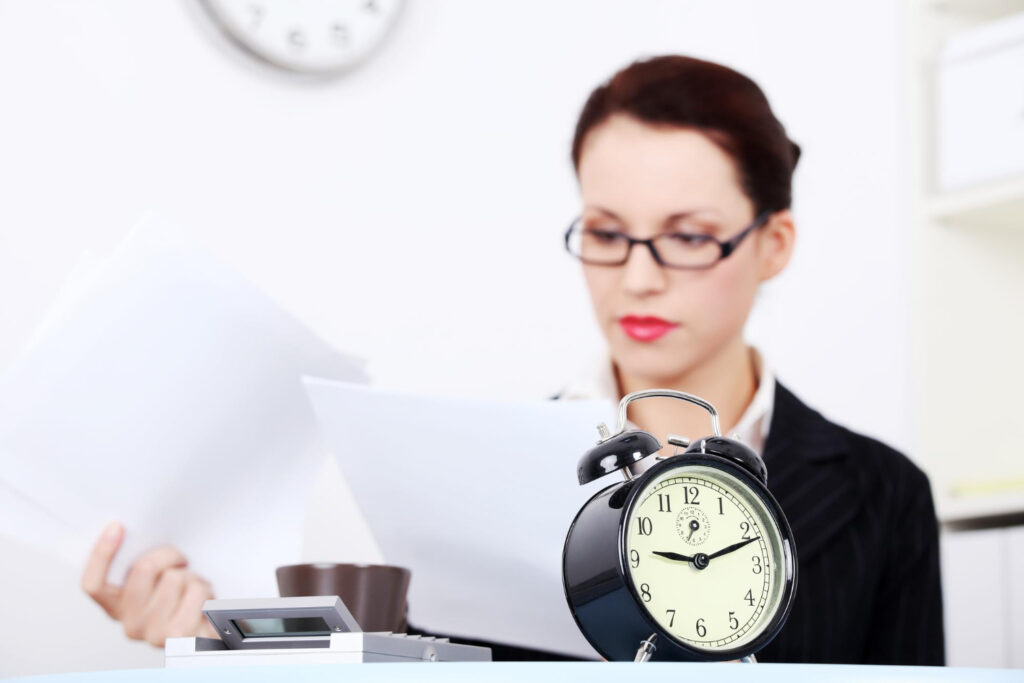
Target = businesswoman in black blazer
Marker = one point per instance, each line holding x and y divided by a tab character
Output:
685	179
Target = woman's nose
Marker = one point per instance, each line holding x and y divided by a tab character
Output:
643	275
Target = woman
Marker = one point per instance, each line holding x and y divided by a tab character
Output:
685	178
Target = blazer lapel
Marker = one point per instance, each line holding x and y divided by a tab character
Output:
810	473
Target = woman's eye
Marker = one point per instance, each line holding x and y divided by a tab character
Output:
686	238
604	235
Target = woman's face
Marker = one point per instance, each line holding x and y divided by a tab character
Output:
639	179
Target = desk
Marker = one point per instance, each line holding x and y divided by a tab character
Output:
540	672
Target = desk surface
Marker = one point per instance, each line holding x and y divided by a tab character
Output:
540	672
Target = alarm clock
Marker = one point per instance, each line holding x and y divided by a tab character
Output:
691	560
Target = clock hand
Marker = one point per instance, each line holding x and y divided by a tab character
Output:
673	556
734	546
700	561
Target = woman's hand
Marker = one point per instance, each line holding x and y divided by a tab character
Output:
160	597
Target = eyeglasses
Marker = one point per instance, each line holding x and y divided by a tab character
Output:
680	250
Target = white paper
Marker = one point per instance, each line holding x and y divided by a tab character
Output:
475	497
37	527
166	394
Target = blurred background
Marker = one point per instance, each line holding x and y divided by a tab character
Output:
410	211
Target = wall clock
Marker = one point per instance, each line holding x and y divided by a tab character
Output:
319	37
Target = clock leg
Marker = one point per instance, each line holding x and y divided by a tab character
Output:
647	648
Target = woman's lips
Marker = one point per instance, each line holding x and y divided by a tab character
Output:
645	328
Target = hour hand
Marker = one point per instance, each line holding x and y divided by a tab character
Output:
673	556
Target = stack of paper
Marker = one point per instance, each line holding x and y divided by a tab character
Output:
165	393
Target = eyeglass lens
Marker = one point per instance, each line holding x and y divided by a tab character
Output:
607	247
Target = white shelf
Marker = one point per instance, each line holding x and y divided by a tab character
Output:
974	510
983	502
967	247
992	205
975	10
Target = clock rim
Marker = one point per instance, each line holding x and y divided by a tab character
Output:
774	626
310	72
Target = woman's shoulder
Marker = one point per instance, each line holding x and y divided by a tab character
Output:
876	460
834	481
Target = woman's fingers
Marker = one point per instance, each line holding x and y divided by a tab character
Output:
152	621
160	598
144	573
188	618
141	585
97	567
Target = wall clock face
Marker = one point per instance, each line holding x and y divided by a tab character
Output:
706	558
309	36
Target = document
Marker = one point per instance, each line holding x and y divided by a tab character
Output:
25	520
474	497
166	394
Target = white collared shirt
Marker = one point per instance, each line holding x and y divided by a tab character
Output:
752	428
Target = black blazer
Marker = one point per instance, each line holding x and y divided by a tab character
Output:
867	544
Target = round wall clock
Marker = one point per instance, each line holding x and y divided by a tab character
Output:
322	37
691	560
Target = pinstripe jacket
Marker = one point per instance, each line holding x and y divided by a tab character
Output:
867	543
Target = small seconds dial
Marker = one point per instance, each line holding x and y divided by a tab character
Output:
704	557
310	36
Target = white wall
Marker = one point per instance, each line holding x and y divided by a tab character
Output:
412	210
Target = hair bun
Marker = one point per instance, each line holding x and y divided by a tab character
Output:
795	148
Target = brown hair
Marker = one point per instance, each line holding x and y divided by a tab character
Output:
723	104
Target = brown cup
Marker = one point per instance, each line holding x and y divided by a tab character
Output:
375	594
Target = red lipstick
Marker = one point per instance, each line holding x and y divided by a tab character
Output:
645	328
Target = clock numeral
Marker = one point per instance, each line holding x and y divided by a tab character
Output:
720	510
745	528
370	6
757	564
339	33
645	525
749	597
255	17
634	558
734	623
664	503
297	39
645	592
690	495
671	617
701	629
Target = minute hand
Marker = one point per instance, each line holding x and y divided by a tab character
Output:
735	546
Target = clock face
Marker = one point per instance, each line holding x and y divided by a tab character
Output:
705	557
312	36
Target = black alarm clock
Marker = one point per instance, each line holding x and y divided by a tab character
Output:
691	560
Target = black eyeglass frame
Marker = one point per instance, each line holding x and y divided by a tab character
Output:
727	247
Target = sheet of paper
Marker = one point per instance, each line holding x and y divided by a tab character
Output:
475	497
167	394
34	525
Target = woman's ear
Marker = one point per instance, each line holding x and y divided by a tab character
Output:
775	242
